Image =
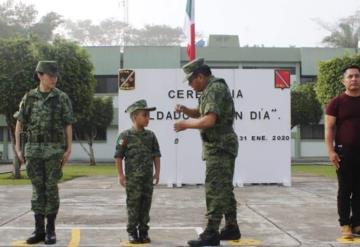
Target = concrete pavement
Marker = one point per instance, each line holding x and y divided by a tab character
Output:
93	213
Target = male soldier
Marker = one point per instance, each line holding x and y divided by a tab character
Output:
46	115
214	117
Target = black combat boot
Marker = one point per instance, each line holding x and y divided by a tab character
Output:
144	236
207	238
230	232
50	237
134	238
39	234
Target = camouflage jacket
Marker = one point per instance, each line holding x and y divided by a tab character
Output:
220	138
44	120
139	150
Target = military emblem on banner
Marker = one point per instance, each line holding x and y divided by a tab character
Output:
282	79
126	79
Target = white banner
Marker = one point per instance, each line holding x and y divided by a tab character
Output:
262	124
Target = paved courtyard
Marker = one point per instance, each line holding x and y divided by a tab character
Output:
93	213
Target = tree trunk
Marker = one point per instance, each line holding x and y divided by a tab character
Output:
16	162
92	154
91	139
89	152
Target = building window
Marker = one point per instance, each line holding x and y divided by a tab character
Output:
305	79
291	69
2	131
100	136
314	131
106	84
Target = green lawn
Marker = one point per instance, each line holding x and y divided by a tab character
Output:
70	172
75	170
319	170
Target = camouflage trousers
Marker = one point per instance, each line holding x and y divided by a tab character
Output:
139	192
220	198
44	175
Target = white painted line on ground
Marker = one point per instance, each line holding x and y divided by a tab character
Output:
198	230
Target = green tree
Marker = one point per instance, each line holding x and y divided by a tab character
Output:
19	19
329	77
76	77
305	108
345	33
18	58
157	35
99	118
107	32
17	62
114	32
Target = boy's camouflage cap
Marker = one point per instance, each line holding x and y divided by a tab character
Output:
139	105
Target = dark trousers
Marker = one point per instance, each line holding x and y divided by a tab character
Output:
348	198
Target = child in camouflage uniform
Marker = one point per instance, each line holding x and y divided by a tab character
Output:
140	150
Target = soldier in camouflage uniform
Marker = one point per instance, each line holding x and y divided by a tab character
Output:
45	115
214	117
140	150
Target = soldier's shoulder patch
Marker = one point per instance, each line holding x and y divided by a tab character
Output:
122	142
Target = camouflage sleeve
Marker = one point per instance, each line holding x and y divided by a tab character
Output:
20	114
68	115
156	148
120	146
212	100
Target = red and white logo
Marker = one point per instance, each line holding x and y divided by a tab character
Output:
282	79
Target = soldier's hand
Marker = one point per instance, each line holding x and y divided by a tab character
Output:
122	180
65	157
179	108
180	126
156	178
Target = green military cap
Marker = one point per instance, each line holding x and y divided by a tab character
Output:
191	66
139	105
47	67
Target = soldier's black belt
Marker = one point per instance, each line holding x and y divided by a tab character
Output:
44	138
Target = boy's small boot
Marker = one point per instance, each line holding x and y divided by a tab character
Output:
207	238
346	232
144	236
133	237
39	234
50	237
230	232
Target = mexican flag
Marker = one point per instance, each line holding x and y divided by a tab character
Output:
189	28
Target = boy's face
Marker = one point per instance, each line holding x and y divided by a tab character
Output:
141	118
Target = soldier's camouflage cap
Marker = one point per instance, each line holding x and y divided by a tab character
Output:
139	105
47	67
191	66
